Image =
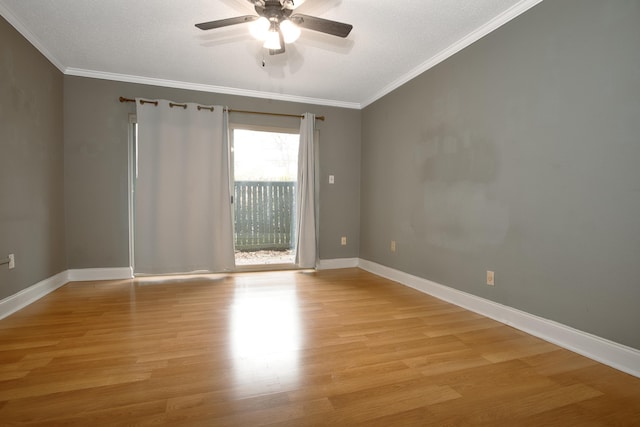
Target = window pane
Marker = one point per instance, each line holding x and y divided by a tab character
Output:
265	156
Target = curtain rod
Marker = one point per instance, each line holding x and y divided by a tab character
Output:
300	116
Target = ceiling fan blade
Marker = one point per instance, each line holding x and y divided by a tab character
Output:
226	22
322	25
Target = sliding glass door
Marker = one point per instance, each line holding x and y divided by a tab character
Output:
265	167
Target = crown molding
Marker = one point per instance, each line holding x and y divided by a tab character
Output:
470	38
31	38
207	88
71	71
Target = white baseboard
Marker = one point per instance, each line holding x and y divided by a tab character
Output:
610	353
618	356
15	302
88	274
331	264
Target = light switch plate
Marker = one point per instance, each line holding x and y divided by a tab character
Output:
490	278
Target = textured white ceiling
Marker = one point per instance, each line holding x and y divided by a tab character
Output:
155	41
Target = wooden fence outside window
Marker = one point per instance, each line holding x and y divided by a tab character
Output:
263	215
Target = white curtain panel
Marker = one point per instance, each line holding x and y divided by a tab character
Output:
183	213
305	198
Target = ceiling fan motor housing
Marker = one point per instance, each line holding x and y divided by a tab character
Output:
273	10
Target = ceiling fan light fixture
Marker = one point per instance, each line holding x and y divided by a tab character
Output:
272	41
276	24
260	28
290	31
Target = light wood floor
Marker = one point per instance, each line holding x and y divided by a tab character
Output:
340	347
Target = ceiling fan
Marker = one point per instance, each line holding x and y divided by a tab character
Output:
276	24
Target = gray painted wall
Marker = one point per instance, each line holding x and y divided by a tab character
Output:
31	164
519	155
516	155
95	125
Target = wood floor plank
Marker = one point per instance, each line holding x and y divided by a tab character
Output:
335	347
